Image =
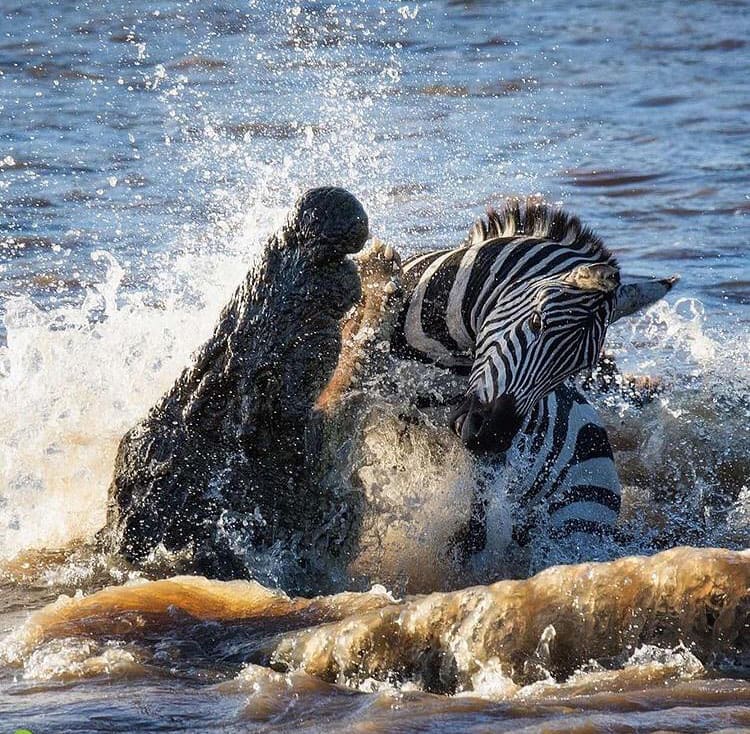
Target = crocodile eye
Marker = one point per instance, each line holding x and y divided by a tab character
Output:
535	322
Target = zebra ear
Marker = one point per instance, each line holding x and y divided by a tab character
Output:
632	297
600	277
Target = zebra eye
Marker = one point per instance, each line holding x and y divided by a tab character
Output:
535	322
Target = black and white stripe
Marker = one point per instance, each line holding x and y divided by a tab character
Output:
567	480
468	309
472	308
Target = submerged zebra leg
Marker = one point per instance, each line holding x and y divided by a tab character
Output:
369	322
221	460
568	494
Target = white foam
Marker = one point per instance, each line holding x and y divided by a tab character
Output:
73	381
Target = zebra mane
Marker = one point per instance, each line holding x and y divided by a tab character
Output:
533	217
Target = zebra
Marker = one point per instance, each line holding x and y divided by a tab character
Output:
520	307
572	482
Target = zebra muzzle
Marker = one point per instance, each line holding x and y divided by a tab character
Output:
486	426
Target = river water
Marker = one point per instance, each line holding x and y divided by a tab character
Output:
147	149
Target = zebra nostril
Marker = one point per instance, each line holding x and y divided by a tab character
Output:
458	418
472	426
486	426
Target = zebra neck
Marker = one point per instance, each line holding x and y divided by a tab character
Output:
432	324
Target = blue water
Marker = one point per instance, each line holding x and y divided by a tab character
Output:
129	126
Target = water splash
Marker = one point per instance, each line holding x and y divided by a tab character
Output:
683	458
673	615
73	380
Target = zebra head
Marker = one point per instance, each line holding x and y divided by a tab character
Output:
539	301
540	333
523	304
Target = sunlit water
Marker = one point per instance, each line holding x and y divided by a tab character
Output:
147	149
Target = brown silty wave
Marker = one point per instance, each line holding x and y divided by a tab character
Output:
527	630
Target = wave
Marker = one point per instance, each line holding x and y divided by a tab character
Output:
592	618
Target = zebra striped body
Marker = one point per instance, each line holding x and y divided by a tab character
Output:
557	482
554	499
502	274
569	477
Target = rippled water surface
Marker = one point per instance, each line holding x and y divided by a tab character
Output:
147	149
